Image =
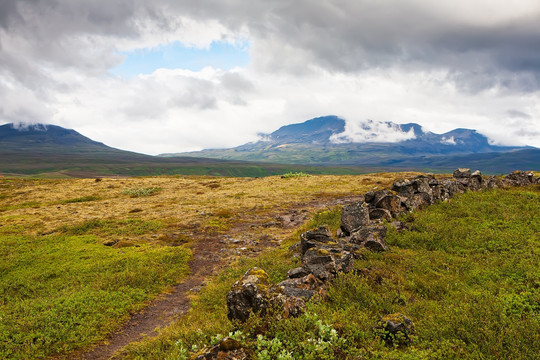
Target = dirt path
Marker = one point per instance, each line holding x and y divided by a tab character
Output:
205	261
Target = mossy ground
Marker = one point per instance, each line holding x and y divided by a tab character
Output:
466	273
62	289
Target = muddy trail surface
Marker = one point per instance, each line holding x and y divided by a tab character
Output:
210	253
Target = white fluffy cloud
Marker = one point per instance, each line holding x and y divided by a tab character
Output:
442	65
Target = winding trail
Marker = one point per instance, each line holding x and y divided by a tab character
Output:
206	261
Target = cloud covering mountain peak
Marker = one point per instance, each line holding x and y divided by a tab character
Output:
363	131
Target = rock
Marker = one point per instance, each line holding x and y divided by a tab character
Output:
375	244
370	237
379	214
249	295
298	272
361	235
399	225
421	184
304	287
110	242
369	196
293	306
519	178
452	187
227	349
353	216
492	182
462	173
390	202
395	329
403	187
417	201
320	263
314	238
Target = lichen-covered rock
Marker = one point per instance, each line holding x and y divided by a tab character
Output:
395	329
403	187
361	235
390	202
227	349
304	287
418	201
298	272
462	173
353	216
320	263
369	196
249	295
313	238
379	214
519	178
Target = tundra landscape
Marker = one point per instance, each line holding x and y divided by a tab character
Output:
269	180
140	268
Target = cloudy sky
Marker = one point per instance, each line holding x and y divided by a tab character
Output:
172	75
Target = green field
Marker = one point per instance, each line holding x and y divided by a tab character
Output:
466	273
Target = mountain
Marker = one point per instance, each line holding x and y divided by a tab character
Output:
53	151
329	140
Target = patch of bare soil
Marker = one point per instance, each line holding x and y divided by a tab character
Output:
210	253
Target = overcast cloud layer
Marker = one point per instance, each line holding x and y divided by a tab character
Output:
472	64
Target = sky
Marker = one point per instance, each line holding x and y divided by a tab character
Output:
167	76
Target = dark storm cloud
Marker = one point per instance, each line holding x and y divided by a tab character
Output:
351	36
292	36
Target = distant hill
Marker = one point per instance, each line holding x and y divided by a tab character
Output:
328	141
53	151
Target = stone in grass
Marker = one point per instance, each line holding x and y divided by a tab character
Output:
227	349
249	295
354	216
395	329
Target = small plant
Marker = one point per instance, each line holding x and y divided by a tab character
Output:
137	192
294	175
81	199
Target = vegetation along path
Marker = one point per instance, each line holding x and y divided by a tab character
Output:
210	253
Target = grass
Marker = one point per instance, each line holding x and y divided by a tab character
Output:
59	293
466	274
136	192
61	289
294	175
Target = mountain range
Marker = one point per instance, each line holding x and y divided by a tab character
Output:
329	140
53	151
322	145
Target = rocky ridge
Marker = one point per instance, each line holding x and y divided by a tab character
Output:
324	256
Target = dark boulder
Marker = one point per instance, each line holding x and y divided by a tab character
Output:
249	295
298	272
320	263
462	173
314	238
369	196
380	214
370	237
395	329
390	202
418	201
354	216
519	178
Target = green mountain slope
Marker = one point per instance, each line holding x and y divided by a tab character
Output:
49	150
